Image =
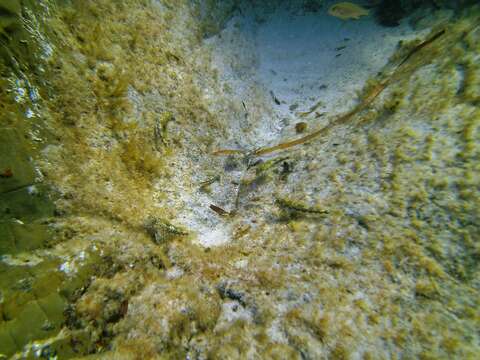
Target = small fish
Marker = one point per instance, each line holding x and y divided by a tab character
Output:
347	10
219	210
210	181
297	206
246	110
275	98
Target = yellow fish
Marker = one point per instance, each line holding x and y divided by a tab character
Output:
346	10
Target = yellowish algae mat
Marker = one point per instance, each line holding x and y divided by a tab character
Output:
362	243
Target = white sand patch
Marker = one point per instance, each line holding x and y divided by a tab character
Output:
214	237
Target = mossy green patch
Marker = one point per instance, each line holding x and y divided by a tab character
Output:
16	167
26	204
30	236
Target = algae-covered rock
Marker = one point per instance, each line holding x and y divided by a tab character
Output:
16	167
27	204
30	236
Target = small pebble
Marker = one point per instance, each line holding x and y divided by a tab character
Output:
300	127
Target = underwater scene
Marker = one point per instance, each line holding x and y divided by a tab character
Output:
239	179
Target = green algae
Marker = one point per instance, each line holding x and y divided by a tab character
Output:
15	157
35	292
